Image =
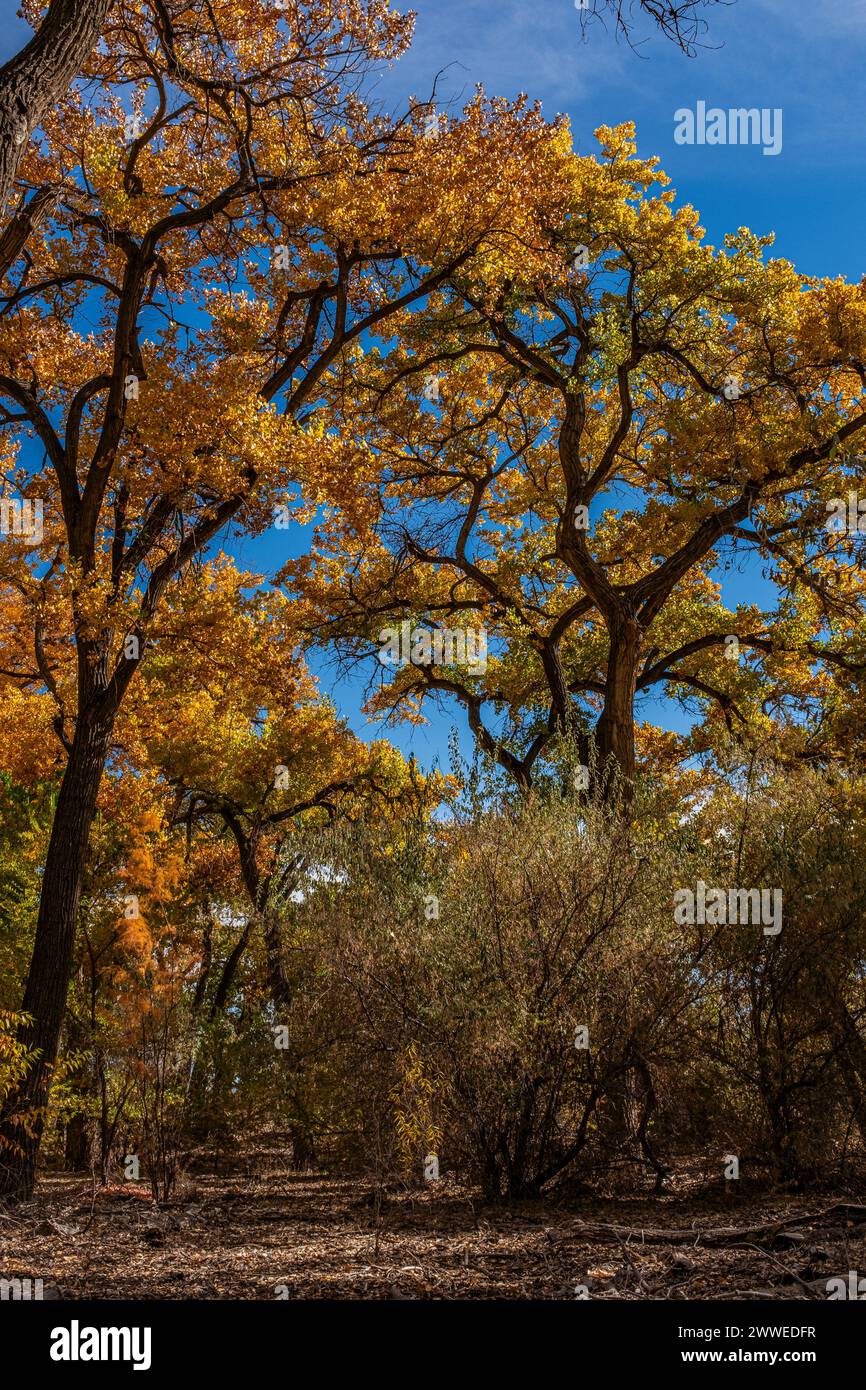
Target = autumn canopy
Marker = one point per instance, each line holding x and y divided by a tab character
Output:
503	390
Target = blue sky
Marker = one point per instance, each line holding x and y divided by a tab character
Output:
806	57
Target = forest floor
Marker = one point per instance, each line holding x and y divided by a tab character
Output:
313	1235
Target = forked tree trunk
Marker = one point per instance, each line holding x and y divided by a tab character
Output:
53	947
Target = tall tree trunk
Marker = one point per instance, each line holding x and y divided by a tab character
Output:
850	1053
76	1152
76	1156
280	986
230	970
201	983
53	947
615	730
34	80
278	980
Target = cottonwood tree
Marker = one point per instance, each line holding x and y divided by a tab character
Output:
221	766
251	756
232	722
38	76
221	238
607	430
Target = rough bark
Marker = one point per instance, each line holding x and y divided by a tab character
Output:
615	731
54	944
34	80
